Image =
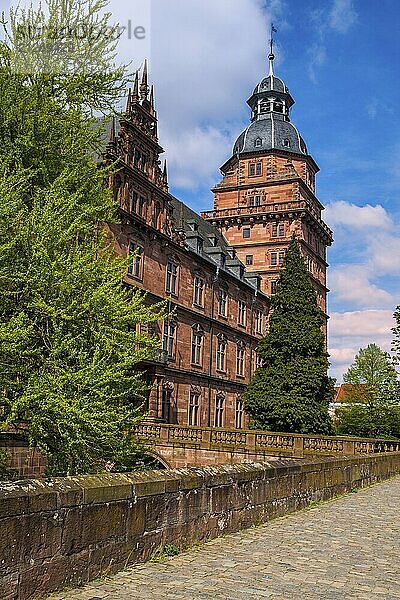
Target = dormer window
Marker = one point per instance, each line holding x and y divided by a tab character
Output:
213	241
258	143
286	143
193	226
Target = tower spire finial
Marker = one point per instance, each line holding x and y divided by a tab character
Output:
144	88
271	56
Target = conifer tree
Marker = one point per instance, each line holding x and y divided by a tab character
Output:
69	341
291	391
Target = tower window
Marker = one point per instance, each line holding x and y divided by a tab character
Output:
249	259
258	142
278	107
286	143
246	232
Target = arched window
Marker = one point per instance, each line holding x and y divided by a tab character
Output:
221	352
258	143
240	359
194	404
278	106
219	409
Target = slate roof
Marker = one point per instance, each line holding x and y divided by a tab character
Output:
214	246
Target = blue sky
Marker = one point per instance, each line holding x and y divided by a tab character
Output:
340	59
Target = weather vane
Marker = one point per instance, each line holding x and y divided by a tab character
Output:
272	41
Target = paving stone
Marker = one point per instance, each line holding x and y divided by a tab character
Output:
346	549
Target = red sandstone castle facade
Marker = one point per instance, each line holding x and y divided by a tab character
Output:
217	270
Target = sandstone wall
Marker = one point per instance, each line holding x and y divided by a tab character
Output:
62	532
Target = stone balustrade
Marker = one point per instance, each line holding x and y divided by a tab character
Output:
259	444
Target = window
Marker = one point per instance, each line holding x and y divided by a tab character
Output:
252	169
281	229
240	357
242	313
281	257
197	345
310	264
258	142
144	161
259	321
259	168
246	232
249	260
239	414
219	410
194	402
223	261
135	268
199	245
286	143
141	207
166	405
221	353
255	201
198	298
222	303
278	107
274	259
273	286
134	199
169	338
274	229
171	285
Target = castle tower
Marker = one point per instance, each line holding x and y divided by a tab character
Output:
267	193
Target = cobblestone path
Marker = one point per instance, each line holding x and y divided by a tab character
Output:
344	549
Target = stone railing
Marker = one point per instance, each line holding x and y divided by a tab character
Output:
256	442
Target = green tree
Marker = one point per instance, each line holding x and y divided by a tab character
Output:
372	396
292	391
69	341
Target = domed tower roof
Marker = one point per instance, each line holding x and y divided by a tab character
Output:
270	127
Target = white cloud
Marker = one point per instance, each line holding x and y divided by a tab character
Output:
342	15
350	331
351	283
361	323
371	250
349	215
194	153
206	59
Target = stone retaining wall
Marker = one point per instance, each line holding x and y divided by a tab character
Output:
65	531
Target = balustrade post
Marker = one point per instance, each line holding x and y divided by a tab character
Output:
163	433
250	441
349	447
206	438
298	445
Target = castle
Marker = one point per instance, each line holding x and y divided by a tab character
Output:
218	270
